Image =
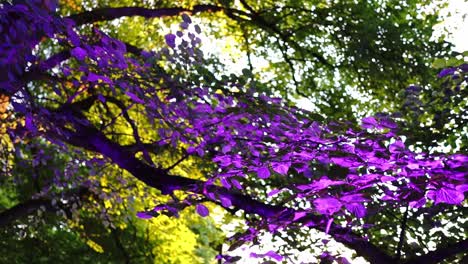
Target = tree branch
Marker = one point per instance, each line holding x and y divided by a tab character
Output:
32	205
363	248
402	232
88	137
105	14
22	209
441	253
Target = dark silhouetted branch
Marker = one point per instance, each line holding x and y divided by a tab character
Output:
441	253
106	14
90	138
32	205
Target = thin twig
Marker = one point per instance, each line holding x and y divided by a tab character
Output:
402	232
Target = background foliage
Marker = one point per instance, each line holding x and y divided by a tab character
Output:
350	59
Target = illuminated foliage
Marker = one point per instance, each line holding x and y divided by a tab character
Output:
109	120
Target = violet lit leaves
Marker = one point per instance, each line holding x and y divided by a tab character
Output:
311	173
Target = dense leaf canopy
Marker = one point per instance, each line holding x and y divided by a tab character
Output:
102	129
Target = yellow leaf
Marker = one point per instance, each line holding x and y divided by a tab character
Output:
95	246
103	182
107	204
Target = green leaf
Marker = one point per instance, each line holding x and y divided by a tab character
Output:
439	63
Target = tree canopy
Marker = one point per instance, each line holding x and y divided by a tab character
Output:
108	121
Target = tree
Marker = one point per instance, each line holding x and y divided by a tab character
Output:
109	103
98	212
351	59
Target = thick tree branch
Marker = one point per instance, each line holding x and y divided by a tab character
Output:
441	253
363	248
105	14
32	205
90	138
22	209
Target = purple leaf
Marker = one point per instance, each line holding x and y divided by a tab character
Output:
30	124
281	167
273	192
446	195
353	198
92	77
72	36
226	202
202	210
327	206
200	152
368	122
388	123
184	25
236	184
463	67
134	97
270	254
191	150
458	160
329	223
274	255
321	184
79	53
397	147
445	72
226	148
356	208
389	197
144	215
186	18
417	204
346	161
170	40
223	161
197	29
57	90
18	107
387	178
462	188
225	182
102	98
263	172
299	215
